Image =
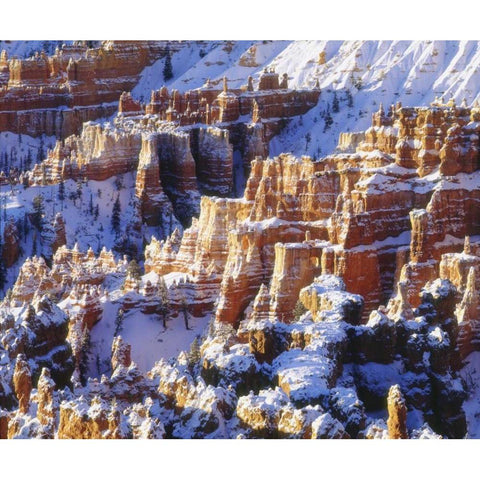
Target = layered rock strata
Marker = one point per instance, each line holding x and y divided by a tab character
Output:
55	95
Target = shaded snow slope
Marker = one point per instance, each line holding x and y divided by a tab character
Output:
412	72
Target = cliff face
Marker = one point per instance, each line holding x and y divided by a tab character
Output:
390	222
36	336
360	215
336	287
55	95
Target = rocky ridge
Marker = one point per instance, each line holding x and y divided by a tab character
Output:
330	281
336	287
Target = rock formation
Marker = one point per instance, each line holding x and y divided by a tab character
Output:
55	95
397	414
22	380
334	287
11	247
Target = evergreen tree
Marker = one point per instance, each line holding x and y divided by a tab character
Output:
134	270
41	151
163	306
184	309
116	215
61	191
28	160
79	189
118	184
84	353
90	205
358	83
95	213
211	328
328	121
167	69
335	103
119	322
26	226
349	99
308	139
194	355
38	212
299	310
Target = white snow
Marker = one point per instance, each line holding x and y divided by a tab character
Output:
470	373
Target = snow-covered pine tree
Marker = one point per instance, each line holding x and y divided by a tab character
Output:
349	99
168	69
299	310
41	151
134	270
184	309
328	120
335	103
90	205
38	212
194	355
79	188
84	353
163	305
61	191
116	215
119	322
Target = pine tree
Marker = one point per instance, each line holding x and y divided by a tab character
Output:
134	270
299	310
119	322
358	83
95	213
163	306
116	215
28	160
167	69
79	189
335	103
184	309
41	151
328	120
194	356
61	191
38	212
308	139
84	353
349	99
90	205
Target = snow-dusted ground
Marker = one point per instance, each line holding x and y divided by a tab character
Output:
26	49
17	150
372	72
81	226
145	334
412	72
471	375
